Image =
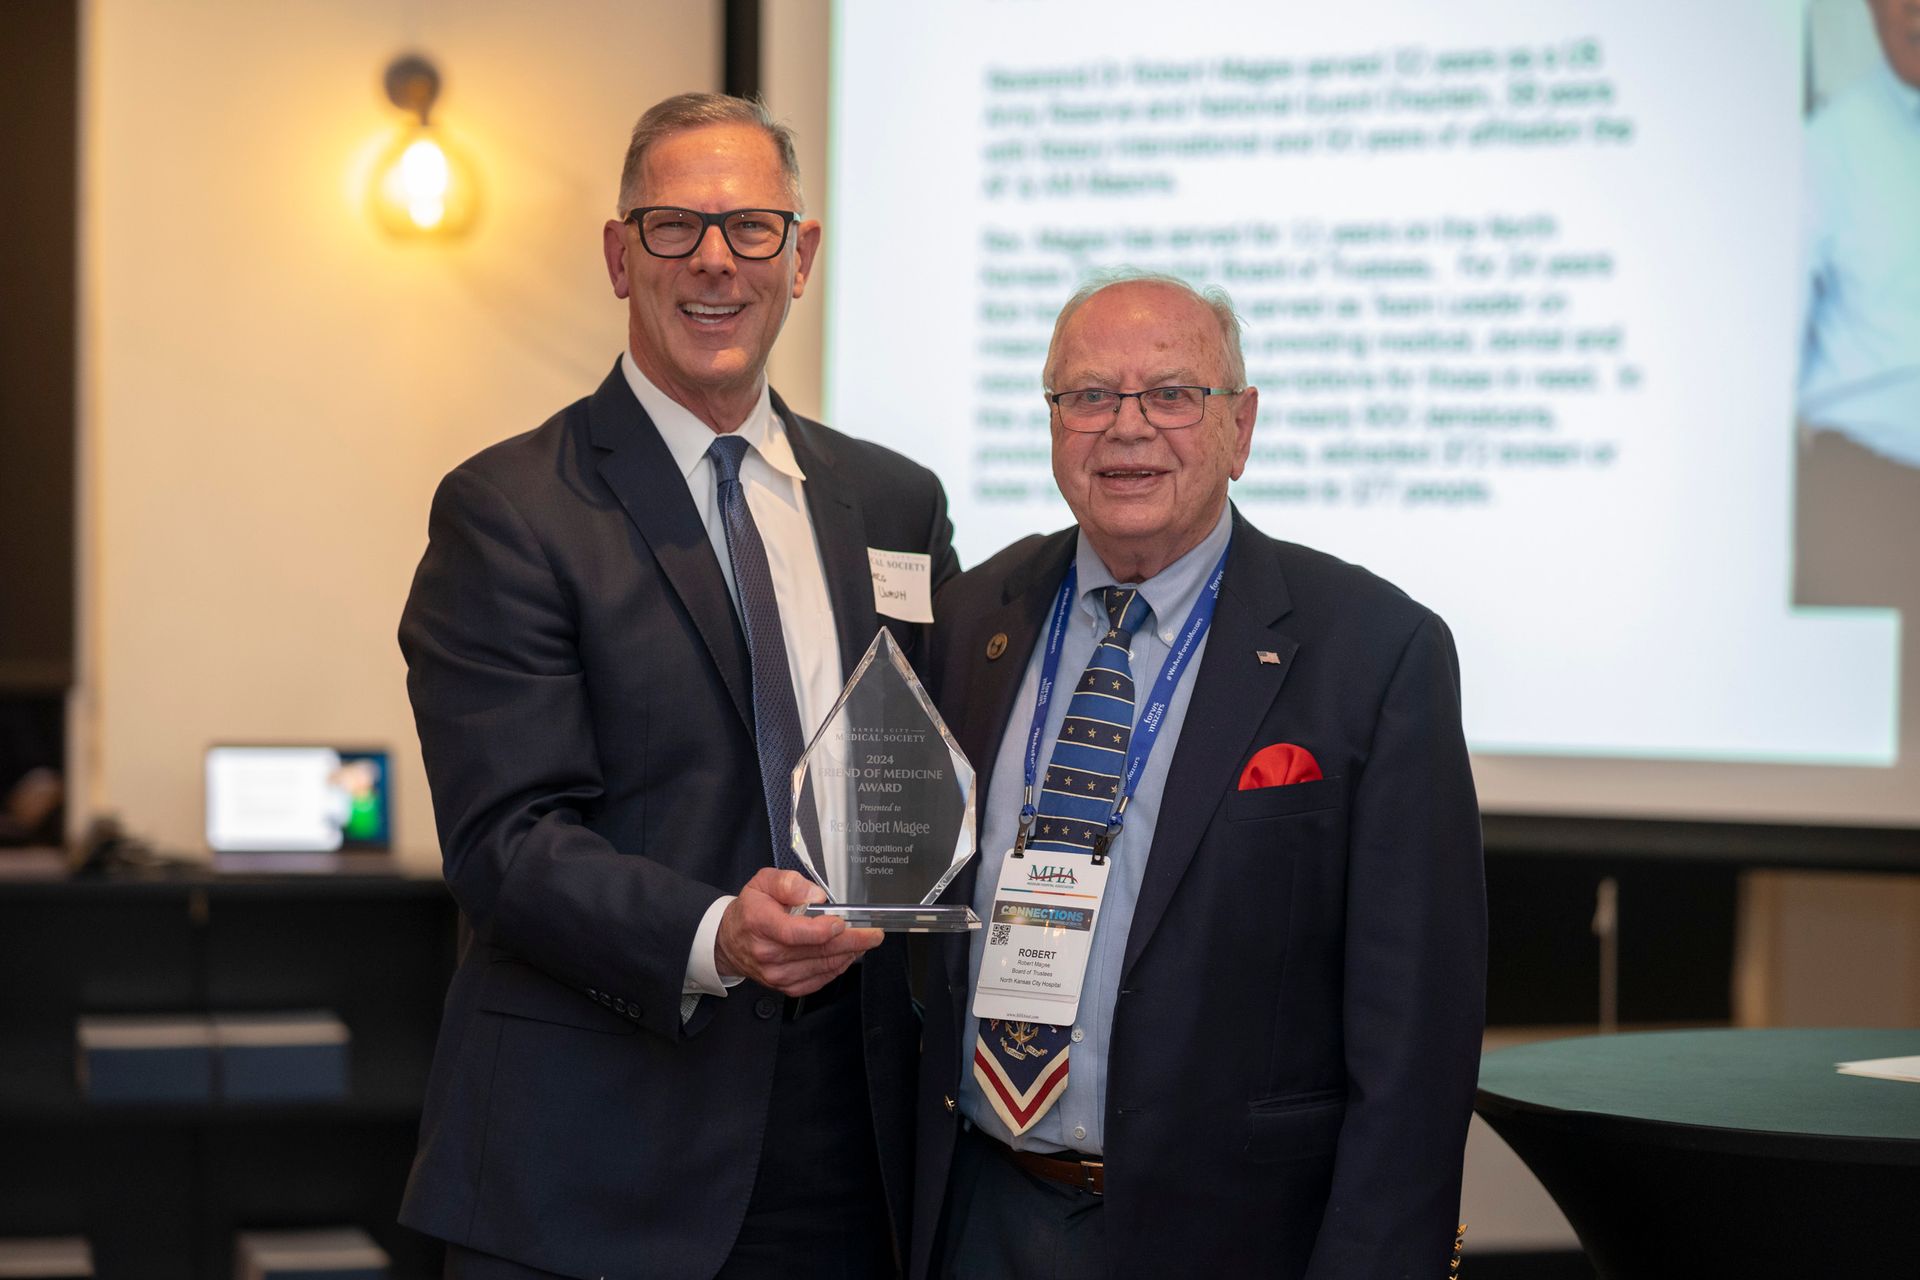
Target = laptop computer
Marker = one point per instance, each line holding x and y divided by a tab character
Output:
298	807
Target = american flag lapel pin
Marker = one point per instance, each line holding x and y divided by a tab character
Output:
1268	658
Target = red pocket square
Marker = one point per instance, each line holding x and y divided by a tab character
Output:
1278	766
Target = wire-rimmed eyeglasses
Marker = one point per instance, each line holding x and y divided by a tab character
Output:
1165	408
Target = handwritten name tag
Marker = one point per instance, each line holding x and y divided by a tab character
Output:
902	584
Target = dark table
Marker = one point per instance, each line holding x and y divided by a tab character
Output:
1720	1153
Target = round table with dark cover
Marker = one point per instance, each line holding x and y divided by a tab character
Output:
1720	1153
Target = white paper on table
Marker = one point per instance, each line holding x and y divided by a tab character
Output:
1883	1068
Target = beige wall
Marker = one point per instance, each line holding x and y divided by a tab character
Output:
270	389
1828	950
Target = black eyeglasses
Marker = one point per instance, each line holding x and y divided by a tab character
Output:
1165	408
670	232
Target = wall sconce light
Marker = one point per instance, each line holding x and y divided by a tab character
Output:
422	186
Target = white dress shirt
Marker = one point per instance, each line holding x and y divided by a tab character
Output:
776	495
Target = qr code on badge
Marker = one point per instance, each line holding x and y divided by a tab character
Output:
1000	935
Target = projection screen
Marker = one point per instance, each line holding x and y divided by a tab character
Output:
1594	327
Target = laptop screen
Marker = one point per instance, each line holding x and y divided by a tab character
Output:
297	799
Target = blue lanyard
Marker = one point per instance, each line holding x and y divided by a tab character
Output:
1145	733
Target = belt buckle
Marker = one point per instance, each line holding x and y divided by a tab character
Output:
1093	1176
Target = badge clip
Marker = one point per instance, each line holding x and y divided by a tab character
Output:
1107	837
1027	815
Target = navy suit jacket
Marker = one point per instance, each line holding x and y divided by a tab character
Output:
1297	1036
583	694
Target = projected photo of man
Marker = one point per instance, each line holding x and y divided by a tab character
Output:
1859	388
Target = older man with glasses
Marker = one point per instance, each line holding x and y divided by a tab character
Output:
626	625
1224	1018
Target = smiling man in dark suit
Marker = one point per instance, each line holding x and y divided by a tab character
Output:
1226	775
625	626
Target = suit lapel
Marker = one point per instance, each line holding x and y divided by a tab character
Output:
992	684
636	465
1232	693
840	531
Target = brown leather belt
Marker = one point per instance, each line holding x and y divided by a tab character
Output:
1066	1168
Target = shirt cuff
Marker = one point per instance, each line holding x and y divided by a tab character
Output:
703	969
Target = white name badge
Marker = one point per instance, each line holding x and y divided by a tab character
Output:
902	584
1039	934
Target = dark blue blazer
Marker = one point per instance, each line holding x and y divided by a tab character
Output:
584	700
1297	1036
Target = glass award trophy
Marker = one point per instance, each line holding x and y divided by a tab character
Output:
883	803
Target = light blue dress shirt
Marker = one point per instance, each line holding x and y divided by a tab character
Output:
1860	369
1076	1119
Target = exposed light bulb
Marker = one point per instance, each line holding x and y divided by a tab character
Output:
422	185
424	178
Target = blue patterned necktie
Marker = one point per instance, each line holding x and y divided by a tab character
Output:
776	717
1022	1066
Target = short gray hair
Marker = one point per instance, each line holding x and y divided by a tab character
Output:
686	111
1213	298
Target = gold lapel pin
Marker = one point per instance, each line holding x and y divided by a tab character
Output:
997	645
1268	658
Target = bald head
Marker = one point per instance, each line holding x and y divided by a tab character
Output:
1219	307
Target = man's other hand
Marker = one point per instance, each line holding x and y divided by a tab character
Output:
794	955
